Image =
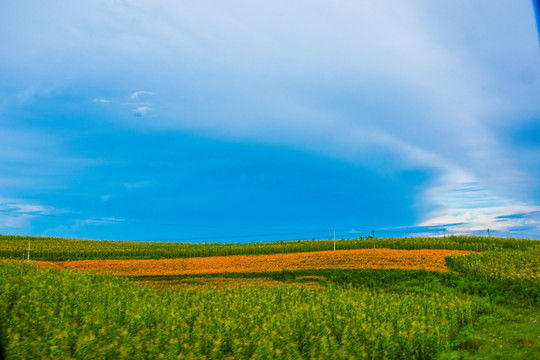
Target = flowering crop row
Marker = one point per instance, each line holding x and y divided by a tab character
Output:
221	281
502	265
431	260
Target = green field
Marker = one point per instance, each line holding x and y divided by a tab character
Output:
57	249
486	307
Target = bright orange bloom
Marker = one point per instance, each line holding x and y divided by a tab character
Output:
431	260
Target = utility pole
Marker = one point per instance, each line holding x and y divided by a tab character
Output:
489	234
22	264
28	258
334	239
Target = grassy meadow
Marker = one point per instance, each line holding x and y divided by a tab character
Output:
482	304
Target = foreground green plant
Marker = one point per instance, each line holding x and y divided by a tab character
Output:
60	314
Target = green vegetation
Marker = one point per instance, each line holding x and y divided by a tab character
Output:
502	274
487	307
53	313
58	249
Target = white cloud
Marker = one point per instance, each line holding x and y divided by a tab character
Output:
478	209
141	92
16	214
101	100
15	222
142	110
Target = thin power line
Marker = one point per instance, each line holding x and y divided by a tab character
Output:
126	221
235	236
342	232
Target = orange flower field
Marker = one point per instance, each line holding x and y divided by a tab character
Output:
431	260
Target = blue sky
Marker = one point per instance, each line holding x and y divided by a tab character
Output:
244	121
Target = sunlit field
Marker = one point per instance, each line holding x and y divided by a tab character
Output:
438	298
431	260
57	249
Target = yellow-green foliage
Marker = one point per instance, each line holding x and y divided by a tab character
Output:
508	265
503	274
61	314
44	248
